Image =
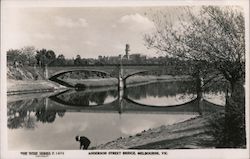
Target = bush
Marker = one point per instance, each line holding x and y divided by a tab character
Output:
228	128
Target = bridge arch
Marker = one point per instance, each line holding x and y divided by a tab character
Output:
161	107
57	74
135	73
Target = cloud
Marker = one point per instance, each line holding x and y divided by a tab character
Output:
89	43
70	23
114	26
43	36
78	127
136	22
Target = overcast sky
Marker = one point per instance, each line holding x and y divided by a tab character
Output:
87	31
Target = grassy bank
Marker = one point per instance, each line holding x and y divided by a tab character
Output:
28	80
101	82
192	133
31	86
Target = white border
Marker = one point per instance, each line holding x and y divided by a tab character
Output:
192	154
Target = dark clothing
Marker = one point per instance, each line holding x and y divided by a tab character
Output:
84	143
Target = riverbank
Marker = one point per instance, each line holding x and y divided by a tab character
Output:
15	87
192	133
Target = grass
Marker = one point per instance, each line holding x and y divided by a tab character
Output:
99	82
28	85
93	82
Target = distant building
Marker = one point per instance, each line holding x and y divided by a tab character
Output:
127	49
114	59
136	58
99	57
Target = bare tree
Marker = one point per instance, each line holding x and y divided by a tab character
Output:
29	52
214	35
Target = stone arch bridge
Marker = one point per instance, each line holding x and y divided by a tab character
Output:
116	71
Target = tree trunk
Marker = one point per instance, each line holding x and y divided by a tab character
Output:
198	87
232	86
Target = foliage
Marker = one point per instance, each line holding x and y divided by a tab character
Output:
29	52
24	56
45	57
214	41
29	56
215	35
77	61
14	55
228	129
27	113
61	59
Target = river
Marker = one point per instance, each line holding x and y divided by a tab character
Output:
51	122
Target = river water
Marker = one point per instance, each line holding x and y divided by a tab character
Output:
51	122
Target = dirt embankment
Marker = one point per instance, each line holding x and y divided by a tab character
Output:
24	73
192	133
28	80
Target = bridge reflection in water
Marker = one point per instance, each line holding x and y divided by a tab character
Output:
124	104
101	114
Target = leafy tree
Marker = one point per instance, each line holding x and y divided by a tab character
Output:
70	62
77	61
15	55
45	57
50	55
12	55
61	60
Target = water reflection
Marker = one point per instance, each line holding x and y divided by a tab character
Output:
94	113
85	98
163	93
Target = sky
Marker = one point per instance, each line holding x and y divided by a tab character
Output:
87	31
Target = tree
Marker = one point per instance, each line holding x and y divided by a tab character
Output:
61	60
45	57
29	52
13	55
50	55
215	36
77	61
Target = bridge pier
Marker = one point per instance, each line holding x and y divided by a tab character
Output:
121	83
46	74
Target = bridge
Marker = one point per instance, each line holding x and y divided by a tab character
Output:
112	70
120	72
117	71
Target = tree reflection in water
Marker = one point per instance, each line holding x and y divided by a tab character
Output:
161	89
25	113
87	98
